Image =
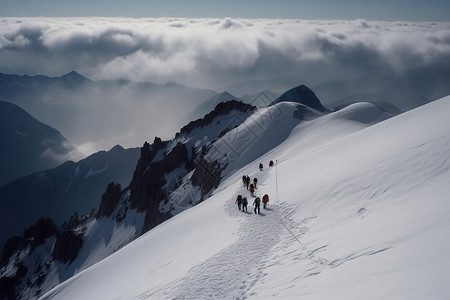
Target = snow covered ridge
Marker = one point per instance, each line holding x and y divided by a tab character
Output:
355	212
164	168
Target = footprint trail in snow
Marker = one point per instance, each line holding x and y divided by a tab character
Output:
231	273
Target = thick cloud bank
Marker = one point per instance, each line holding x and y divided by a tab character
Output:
401	63
214	53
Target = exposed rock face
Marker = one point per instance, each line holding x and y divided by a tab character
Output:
8	284
110	199
11	246
303	95
33	236
206	175
80	184
67	246
221	109
38	233
146	191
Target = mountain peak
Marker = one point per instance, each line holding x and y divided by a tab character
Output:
221	108
74	76
303	95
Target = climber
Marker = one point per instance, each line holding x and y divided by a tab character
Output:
252	190
256	203
239	201
265	200
244	204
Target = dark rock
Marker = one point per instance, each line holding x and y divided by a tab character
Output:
222	108
12	245
206	175
146	191
39	232
7	288
303	95
67	246
8	284
110	199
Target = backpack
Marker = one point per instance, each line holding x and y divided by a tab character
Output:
239	199
266	198
244	201
257	201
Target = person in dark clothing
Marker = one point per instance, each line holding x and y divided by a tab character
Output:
255	180
244	180
252	189
248	181
260	167
265	200
244	204
271	163
257	203
239	201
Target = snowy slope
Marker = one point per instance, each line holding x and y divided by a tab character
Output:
356	212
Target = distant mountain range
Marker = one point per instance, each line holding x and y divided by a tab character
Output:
28	145
105	111
58	193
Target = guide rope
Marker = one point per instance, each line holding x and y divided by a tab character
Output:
278	202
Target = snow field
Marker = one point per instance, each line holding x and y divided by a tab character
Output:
374	211
354	213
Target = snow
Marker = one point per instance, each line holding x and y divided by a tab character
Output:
96	172
358	210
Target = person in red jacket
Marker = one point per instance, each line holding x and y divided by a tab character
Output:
265	200
239	201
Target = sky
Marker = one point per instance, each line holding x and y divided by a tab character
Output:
389	10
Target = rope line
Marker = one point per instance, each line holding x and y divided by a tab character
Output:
278	201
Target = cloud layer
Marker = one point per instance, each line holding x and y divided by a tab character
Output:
217	52
394	60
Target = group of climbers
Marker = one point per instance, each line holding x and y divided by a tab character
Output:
242	201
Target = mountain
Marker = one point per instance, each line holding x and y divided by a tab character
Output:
397	92
253	87
209	104
170	177
377	99
261	99
354	207
301	94
91	112
58	193
28	145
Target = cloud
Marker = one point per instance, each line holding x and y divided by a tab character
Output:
165	49
216	53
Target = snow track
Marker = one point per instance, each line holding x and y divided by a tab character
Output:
233	272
